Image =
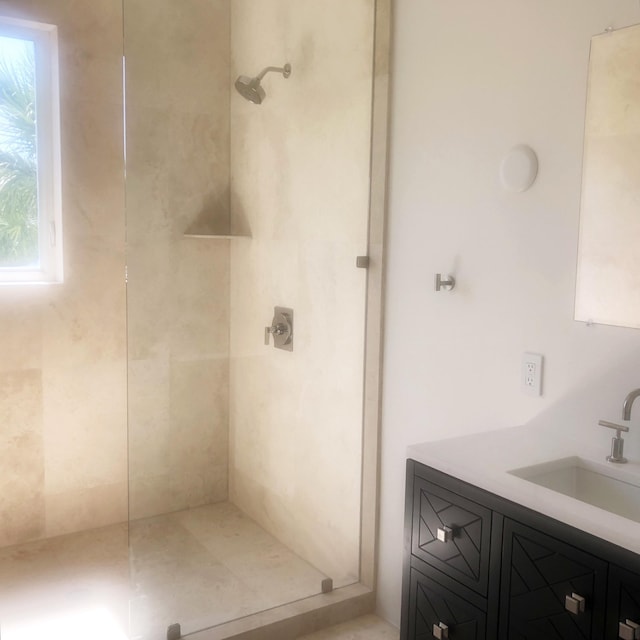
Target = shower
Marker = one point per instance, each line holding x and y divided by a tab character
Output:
250	88
219	478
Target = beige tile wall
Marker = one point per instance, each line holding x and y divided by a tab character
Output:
300	184
178	292
300	187
63	361
63	445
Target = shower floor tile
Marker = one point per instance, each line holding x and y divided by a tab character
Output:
200	568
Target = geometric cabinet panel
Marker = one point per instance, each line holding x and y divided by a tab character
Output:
430	604
538	573
464	557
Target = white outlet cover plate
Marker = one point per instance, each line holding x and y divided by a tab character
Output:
531	374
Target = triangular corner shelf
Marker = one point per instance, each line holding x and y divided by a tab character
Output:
210	231
213	236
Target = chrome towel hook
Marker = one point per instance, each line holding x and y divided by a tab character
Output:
447	285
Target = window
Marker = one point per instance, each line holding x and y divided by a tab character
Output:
30	211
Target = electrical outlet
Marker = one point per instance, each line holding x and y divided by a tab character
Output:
531	376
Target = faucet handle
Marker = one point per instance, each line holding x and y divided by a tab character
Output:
613	425
617	443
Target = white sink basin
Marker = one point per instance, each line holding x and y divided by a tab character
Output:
602	485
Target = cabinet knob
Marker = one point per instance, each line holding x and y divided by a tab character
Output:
574	604
440	631
444	534
629	630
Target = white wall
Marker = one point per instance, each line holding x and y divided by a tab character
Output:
470	80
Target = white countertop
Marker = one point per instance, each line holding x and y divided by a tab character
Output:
484	460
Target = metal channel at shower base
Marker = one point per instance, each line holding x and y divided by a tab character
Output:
290	621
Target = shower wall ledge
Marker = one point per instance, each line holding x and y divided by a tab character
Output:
215	236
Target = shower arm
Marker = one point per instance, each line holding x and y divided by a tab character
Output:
285	71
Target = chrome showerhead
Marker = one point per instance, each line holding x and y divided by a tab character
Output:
251	89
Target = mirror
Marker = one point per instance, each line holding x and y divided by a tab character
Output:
608	279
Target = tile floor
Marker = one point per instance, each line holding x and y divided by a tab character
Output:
199	567
364	628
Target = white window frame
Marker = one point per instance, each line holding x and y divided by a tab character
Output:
45	39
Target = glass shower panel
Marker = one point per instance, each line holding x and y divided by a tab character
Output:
300	189
63	361
178	290
244	459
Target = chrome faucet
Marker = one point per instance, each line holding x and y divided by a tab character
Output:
628	403
617	443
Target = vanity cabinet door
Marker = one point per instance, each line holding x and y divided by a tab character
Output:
452	534
431	605
624	604
539	573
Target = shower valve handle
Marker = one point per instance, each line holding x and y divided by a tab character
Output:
281	329
276	329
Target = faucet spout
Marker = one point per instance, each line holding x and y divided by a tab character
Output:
628	403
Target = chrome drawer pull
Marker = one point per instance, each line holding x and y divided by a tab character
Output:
574	604
440	631
629	630
445	534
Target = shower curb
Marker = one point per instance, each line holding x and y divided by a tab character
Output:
296	619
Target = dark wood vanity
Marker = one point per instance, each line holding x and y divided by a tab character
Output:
480	567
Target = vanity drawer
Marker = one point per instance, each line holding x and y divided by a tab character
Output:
431	605
452	534
539	572
623	610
